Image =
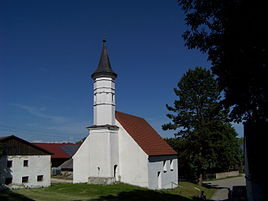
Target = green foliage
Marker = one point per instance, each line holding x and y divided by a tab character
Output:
198	97
206	141
81	141
232	34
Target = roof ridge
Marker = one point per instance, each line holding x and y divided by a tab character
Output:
129	115
26	142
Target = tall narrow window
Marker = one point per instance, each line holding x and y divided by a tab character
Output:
171	165
159	180
113	101
165	166
25	163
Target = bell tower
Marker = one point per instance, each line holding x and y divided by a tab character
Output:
104	91
102	141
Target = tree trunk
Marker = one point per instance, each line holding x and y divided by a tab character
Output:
255	134
200	180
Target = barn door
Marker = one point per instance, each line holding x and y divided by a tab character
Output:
116	172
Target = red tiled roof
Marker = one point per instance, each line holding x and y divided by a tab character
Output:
144	135
55	148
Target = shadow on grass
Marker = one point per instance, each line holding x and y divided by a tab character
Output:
8	195
215	186
141	195
135	195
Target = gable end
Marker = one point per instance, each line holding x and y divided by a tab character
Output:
144	135
13	145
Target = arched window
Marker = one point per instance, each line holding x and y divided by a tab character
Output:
171	165
165	166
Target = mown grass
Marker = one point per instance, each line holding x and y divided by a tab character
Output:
116	192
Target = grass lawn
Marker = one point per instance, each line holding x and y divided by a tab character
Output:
188	190
116	192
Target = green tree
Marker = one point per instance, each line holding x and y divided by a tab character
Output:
233	34
198	101
81	141
202	126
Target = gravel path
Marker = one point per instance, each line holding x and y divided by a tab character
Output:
223	185
61	181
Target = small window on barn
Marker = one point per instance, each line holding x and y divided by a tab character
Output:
8	180
171	165
25	179
25	163
9	164
165	166
40	178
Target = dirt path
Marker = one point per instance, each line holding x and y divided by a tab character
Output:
223	185
61	181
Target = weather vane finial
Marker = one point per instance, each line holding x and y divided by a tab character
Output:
103	42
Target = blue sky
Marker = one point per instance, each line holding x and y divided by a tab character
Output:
48	50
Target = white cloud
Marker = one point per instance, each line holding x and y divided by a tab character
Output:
40	112
59	128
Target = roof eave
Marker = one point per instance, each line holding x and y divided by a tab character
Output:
104	74
163	154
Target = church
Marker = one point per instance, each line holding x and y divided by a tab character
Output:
121	147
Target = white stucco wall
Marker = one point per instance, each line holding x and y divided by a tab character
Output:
81	163
37	165
97	155
103	152
160	176
133	162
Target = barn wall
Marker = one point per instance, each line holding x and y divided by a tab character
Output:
37	166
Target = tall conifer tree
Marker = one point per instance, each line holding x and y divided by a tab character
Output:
200	120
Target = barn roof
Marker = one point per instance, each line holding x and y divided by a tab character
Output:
144	135
59	150
14	145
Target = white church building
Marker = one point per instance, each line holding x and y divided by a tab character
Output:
122	147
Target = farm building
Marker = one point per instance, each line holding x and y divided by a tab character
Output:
23	164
